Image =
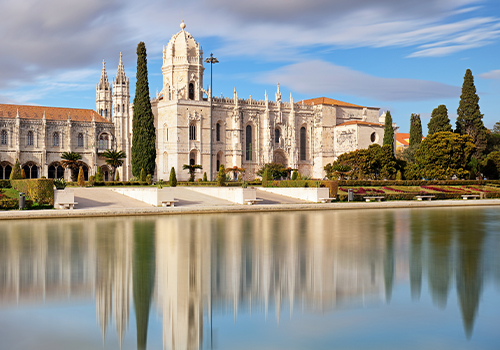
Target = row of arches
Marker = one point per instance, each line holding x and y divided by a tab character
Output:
103	142
55	170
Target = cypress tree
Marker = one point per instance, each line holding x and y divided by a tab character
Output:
15	174
221	177
389	131
144	134
142	178
439	120
99	176
415	131
469	119
173	178
81	178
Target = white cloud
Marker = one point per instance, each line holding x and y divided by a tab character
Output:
320	78
494	74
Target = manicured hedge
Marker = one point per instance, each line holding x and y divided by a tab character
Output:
5	184
415	182
38	190
11	203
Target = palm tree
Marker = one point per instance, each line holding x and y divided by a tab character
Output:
191	169
114	159
72	161
235	170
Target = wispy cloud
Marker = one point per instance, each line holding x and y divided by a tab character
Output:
494	74
320	77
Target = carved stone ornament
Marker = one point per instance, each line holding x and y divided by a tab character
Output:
194	117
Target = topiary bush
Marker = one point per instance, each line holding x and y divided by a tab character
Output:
143	175
173	178
149	179
99	177
221	177
81	178
38	190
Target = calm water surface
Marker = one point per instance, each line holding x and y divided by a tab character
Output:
381	279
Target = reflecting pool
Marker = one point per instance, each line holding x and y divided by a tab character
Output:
374	279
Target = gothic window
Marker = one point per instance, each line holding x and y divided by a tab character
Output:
103	142
277	135
191	91
248	143
31	170
29	140
5	170
169	93
106	113
217	132
373	137
80	140
123	108
3	140
117	108
192	157
56	171
302	143
55	139
192	132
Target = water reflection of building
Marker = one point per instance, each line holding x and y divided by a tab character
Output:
243	263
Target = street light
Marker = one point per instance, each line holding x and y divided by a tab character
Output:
211	60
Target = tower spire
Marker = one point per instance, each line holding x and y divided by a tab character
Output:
120	73
103	83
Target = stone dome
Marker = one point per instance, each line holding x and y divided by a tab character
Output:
182	44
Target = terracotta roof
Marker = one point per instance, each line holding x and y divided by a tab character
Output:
328	101
360	122
403	138
51	113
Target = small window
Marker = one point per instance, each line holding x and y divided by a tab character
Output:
373	137
123	108
80	140
302	143
191	91
106	113
55	139
30	138
117	108
217	132
192	132
4	138
277	136
248	143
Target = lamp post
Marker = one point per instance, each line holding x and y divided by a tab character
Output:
211	60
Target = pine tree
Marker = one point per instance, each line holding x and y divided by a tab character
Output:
144	134
16	171
469	117
173	178
388	131
415	131
81	178
439	120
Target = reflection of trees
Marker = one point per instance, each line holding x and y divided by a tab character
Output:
389	255
470	235
143	276
416	253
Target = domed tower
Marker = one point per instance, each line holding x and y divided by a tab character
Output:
182	68
103	100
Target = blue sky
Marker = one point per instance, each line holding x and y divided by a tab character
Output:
405	56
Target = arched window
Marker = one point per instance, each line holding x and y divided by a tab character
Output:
276	135
192	132
373	137
248	143
217	132
29	139
56	171
5	170
106	113
55	139
192	157
117	108
103	141
191	91
31	170
302	143
3	140
101	113
123	108
80	140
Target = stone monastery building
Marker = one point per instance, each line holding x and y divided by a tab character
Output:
246	133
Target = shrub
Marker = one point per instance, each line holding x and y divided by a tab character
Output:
91	180
294	175
173	178
333	186
5	184
117	177
221	178
81	178
205	177
60	183
99	177
149	179
16	171
265	178
143	175
23	174
38	190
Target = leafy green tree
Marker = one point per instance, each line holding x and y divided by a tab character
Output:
439	120
173	178
496	128
373	163
221	177
99	176
388	131
144	134
443	155
337	171
274	170
81	178
72	161
15	174
491	166
114	159
191	169
469	119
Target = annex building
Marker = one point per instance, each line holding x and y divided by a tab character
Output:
246	133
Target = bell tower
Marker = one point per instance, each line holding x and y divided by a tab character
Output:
121	116
103	102
182	68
